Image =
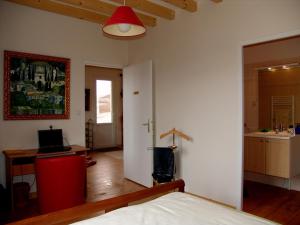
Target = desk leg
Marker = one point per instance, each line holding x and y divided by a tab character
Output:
9	181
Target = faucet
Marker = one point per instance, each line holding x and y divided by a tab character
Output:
280	127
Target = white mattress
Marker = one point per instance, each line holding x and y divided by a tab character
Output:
176	209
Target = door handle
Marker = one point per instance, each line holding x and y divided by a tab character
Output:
148	125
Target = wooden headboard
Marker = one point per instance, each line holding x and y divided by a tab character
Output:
92	209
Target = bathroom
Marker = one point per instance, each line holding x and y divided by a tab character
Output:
271	118
272	111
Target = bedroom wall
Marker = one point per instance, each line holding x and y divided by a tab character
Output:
29	30
199	86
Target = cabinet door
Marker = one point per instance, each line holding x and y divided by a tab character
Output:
277	155
254	155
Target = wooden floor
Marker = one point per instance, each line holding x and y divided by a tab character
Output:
104	180
273	203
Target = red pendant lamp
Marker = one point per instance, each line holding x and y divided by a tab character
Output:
124	23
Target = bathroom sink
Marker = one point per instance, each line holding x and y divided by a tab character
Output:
272	133
281	134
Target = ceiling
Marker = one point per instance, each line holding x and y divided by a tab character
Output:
98	11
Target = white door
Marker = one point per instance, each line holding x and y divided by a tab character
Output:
138	123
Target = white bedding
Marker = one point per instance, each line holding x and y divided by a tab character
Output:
176	208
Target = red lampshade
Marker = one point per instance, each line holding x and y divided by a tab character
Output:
124	23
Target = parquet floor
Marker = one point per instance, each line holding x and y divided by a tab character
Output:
104	180
273	203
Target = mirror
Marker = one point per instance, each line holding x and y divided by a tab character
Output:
279	97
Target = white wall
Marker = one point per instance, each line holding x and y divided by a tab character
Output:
29	30
198	84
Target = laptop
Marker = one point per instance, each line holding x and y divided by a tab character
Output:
51	141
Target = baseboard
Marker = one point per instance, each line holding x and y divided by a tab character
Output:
212	200
107	149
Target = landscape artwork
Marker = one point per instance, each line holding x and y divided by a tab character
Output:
36	86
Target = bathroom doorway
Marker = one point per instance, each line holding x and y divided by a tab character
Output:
271	72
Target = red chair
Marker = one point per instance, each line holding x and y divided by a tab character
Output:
61	182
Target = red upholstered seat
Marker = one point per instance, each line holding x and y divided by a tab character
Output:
60	182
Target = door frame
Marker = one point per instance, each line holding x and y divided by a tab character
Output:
265	39
108	66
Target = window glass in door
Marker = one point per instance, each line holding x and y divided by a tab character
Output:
104	101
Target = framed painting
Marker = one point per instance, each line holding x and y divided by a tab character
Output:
36	86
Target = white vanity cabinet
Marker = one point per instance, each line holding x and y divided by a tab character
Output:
277	157
254	155
272	155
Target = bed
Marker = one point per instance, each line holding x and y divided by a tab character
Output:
171	208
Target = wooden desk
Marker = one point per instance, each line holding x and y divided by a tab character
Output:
21	162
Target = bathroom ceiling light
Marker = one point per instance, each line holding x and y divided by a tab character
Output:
278	67
285	67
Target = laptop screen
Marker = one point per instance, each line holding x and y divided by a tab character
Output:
50	138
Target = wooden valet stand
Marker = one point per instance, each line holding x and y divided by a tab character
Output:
174	133
178	133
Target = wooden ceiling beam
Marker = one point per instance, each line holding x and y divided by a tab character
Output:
189	5
106	8
149	7
62	9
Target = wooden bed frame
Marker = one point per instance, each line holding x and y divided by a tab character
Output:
92	209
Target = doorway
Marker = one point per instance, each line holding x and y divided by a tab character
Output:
104	107
104	133
104	104
271	106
